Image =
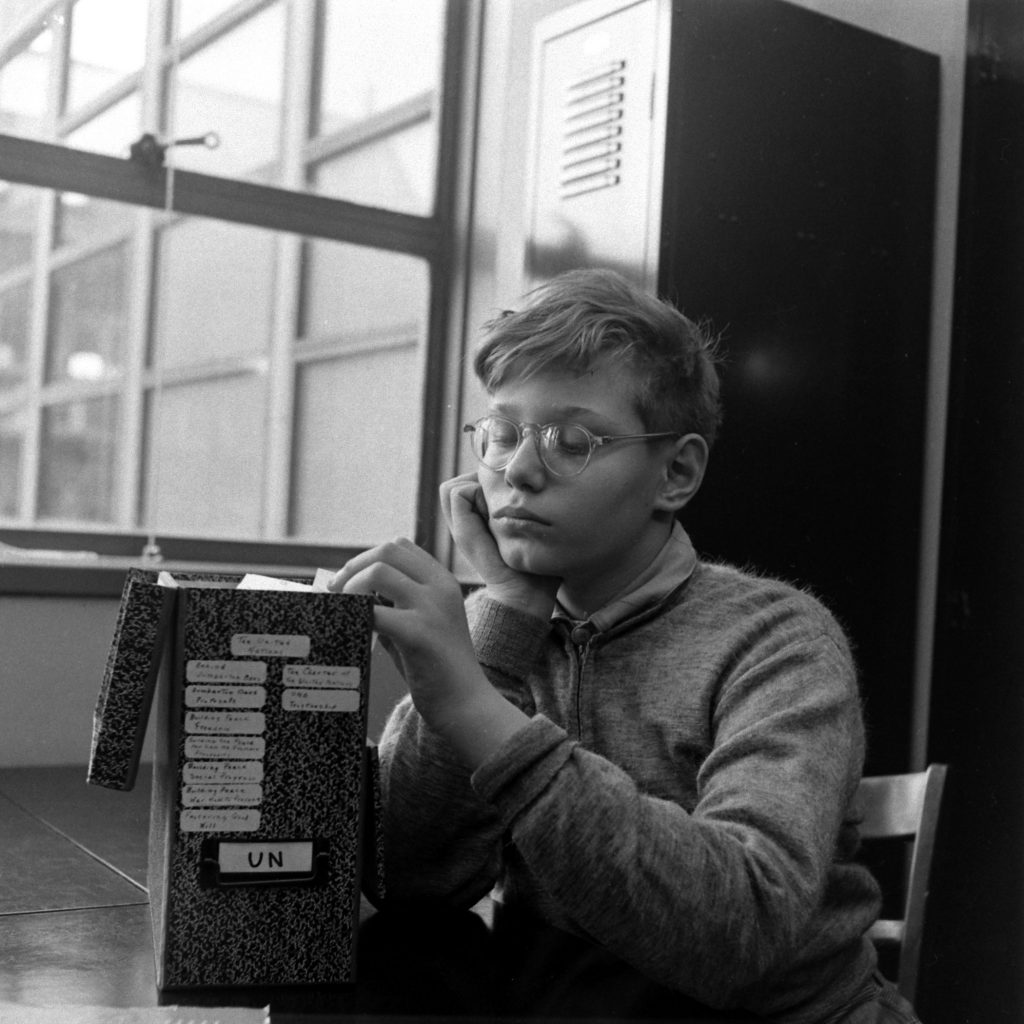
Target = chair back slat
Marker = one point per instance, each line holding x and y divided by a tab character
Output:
905	806
892	805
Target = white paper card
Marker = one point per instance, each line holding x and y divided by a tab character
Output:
269	645
294	699
225	696
205	773
254	581
202	671
215	747
339	676
220	819
223	795
263	858
225	723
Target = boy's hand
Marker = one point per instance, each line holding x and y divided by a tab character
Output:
465	512
426	631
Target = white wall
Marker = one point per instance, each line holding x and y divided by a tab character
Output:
53	651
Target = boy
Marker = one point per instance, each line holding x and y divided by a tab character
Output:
651	752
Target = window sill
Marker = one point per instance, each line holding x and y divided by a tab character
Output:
84	565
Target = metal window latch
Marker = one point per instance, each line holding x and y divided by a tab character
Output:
149	150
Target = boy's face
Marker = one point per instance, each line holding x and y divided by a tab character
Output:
598	530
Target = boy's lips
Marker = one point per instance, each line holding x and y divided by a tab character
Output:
515	513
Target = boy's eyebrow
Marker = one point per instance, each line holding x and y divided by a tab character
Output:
560	412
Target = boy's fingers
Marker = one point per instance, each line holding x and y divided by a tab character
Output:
383	580
459	488
401	554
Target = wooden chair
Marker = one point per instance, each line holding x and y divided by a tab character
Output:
904	807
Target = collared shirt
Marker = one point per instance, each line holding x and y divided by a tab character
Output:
672	566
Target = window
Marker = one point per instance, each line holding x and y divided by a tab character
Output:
238	346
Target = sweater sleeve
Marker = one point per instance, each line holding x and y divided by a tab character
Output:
712	901
441	841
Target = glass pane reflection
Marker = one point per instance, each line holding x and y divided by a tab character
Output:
108	41
89	318
12	440
111	132
78	460
233	87
208	440
356	471
19	211
356	83
24	87
355	474
14	328
395	172
193	14
215	291
357	293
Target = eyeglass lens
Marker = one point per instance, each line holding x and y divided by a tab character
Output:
564	447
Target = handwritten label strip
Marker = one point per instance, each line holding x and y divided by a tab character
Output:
345	677
269	645
203	671
200	773
202	696
219	819
223	747
222	795
225	723
332	701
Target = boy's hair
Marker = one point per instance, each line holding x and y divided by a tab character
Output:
587	317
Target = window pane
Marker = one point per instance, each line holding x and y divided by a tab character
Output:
78	459
19	210
395	172
82	218
377	54
89	318
12	439
357	443
12	12
215	288
111	132
108	41
193	14
233	87
208	441
14	328
24	87
357	437
358	293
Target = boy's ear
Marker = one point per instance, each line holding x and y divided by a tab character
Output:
684	472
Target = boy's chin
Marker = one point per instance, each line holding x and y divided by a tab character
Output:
517	557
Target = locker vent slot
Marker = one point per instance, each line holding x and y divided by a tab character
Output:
591	157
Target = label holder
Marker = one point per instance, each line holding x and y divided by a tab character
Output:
211	875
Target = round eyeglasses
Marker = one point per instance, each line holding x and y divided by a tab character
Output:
564	448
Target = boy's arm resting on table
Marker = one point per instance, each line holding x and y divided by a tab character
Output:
710	902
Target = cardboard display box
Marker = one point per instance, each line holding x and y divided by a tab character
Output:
262	778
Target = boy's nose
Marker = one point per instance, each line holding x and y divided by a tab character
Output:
525	468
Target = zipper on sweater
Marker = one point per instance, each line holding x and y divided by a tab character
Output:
581	652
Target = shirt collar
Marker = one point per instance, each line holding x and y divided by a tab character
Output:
673	565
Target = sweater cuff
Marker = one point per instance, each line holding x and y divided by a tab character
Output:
506	639
523	767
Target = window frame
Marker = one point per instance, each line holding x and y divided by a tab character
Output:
58	566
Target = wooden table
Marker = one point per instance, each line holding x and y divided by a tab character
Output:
75	932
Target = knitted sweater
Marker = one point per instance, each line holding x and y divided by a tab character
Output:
680	796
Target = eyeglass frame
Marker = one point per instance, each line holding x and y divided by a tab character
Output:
594	440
